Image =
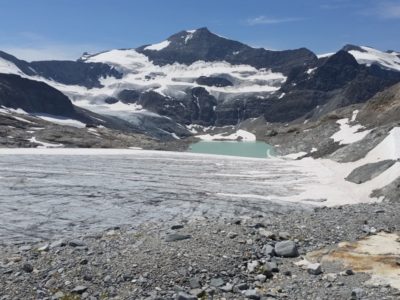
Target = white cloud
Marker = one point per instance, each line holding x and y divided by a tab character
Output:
262	20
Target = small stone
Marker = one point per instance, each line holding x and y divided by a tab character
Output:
284	235
87	277
7	272
217	282
84	262
77	243
58	295
176	227
287	273
286	249
331	277
197	292
56	244
251	294
177	237
268	250
349	272
272	266
251	266
27	268
50	283
227	288
232	235
80	289
184	296
266	233
15	259
44	248
314	269
194	283
261	278
357	293
242	286
25	248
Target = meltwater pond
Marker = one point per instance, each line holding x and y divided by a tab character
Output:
233	148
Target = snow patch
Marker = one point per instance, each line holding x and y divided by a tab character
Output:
240	134
372	56
349	134
61	121
44	144
159	46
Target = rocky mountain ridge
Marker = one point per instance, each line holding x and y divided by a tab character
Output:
197	77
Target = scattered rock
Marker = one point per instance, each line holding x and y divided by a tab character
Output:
232	235
176	227
252	266
266	233
194	283
314	269
251	294
357	294
227	288
217	282
286	249
44	248
268	250
28	268
177	237
58	295
77	243
80	289
184	296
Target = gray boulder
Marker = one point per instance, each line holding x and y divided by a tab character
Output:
286	249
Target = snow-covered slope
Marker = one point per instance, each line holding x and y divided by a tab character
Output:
141	72
370	56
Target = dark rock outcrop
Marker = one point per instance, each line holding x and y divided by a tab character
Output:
213	81
186	48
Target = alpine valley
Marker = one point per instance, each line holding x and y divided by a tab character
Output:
130	223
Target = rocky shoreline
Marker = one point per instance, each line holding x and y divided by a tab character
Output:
239	258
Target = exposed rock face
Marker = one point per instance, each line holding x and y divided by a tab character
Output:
213	81
338	82
129	96
187	47
74	72
33	96
369	171
203	107
383	108
66	72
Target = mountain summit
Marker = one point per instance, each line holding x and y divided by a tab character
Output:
187	47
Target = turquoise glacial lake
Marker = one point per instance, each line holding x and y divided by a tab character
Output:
233	148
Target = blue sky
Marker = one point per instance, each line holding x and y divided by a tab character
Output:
63	29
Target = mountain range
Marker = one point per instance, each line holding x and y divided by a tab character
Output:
194	78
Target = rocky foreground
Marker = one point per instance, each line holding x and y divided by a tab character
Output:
244	258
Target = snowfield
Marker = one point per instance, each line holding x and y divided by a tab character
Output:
371	56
